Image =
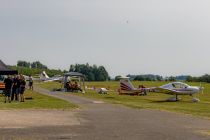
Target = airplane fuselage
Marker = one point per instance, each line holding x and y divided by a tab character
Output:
187	91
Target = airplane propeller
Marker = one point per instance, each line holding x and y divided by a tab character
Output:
201	88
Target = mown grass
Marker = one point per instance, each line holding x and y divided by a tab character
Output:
152	101
38	101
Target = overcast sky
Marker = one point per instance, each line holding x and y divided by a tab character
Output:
166	37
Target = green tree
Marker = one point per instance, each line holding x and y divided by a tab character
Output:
92	73
21	63
117	78
171	78
38	65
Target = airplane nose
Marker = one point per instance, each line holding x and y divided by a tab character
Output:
201	88
196	89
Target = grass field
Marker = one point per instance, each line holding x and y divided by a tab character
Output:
38	101
152	101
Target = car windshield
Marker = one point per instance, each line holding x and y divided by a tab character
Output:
1	78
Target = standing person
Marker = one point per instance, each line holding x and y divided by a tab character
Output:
76	86
30	84
8	88
22	88
17	93
14	87
143	89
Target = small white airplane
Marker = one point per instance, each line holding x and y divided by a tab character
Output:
99	90
45	78
33	78
179	88
102	90
174	88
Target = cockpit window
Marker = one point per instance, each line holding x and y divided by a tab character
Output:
179	85
175	85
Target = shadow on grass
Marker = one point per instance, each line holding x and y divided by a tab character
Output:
167	101
163	101
160	101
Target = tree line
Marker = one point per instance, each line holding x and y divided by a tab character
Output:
151	77
203	78
33	65
92	73
35	68
98	73
146	77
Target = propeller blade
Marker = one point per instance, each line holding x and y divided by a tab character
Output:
201	89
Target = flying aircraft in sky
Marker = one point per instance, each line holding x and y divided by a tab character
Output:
45	78
174	88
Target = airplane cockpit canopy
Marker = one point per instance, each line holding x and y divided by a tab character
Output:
175	85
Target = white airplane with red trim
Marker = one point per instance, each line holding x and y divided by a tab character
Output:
174	88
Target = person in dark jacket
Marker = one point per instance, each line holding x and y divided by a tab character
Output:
8	89
14	87
22	88
17	93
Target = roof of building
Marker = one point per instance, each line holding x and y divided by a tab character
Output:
74	74
4	70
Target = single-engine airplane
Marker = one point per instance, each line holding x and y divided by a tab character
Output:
179	88
174	88
44	77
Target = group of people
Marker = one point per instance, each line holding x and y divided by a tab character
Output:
72	86
15	88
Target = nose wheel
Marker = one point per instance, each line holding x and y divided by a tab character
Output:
195	99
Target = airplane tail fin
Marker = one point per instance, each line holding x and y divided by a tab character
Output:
43	76
125	84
